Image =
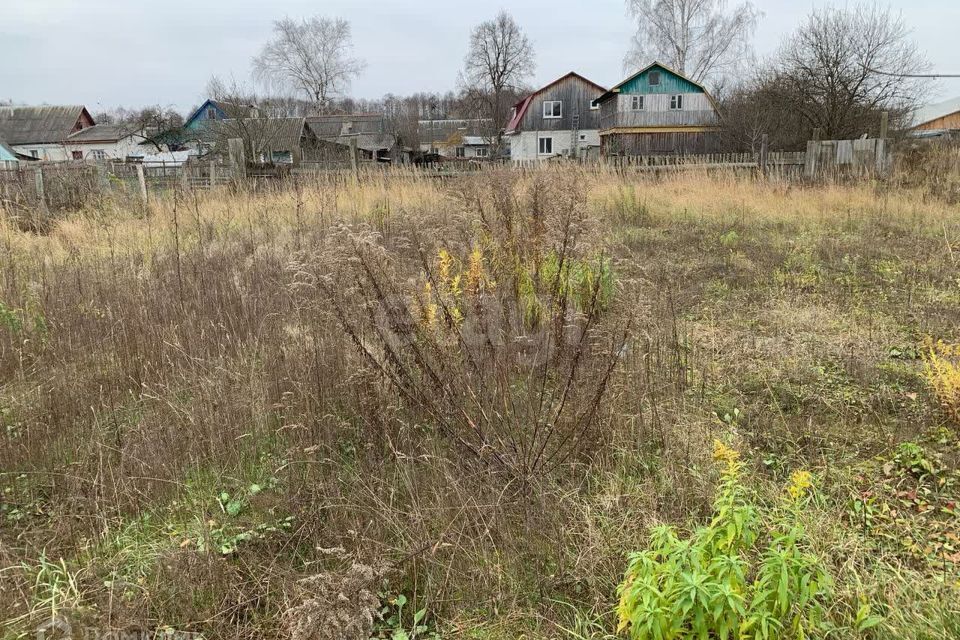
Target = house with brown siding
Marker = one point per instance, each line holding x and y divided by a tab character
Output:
559	119
658	111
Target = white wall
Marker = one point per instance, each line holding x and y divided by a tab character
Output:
129	146
525	146
47	151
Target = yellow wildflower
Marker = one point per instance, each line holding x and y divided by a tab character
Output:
723	453
429	311
475	277
800	482
444	263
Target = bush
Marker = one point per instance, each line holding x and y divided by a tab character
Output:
942	371
716	583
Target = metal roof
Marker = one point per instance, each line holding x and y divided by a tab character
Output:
263	134
930	112
333	126
38	125
102	133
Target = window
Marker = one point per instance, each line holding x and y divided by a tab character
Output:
461	152
98	154
211	113
594	105
483	152
552	108
654	78
77	155
34	153
676	102
636	103
546	146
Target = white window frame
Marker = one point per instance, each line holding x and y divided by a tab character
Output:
483	152
98	154
594	104
554	112
676	102
540	146
637	103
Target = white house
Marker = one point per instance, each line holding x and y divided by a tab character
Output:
560	119
106	142
41	132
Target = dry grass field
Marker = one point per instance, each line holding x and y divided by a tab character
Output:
422	408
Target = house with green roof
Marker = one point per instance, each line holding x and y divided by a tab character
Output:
658	111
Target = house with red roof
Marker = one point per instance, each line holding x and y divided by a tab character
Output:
559	119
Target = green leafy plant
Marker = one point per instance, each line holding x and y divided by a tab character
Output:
393	626
711	585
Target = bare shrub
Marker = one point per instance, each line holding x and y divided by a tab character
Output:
339	605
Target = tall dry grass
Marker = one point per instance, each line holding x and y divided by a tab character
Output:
199	400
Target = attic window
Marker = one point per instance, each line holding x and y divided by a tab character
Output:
211	113
654	78
595	104
552	108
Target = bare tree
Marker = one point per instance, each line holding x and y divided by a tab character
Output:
499	61
844	66
701	39
836	73
311	57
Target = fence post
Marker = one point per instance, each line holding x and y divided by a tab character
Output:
764	150
238	160
881	160
38	180
810	162
354	164
142	181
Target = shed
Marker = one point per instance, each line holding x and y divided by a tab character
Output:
937	119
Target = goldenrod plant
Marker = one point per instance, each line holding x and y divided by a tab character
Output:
718	583
942	371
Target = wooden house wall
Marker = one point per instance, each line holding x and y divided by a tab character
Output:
697	111
949	121
576	96
672	143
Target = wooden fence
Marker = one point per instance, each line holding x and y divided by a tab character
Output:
65	185
866	156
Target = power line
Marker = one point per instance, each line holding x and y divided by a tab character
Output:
913	75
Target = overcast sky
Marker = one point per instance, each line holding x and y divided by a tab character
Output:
105	53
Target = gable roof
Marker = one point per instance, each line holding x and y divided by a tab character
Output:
615	90
263	134
225	110
333	125
520	109
930	112
39	125
103	133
